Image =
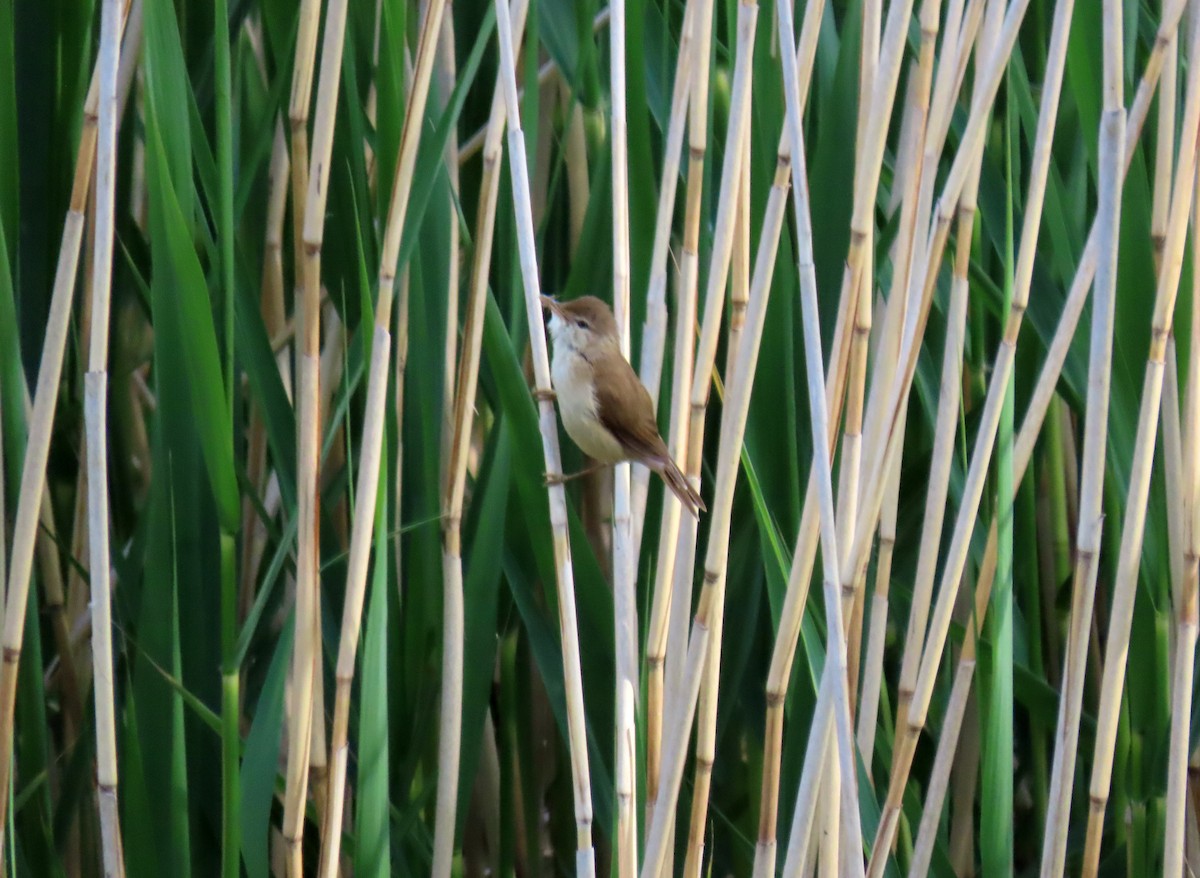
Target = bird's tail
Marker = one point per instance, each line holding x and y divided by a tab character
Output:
682	488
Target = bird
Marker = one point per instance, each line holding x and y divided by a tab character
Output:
604	407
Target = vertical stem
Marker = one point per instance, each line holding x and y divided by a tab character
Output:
308	433
1129	559
585	864
230	733
95	415
623	561
1112	143
681	709
369	472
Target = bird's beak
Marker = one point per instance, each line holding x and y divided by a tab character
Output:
552	305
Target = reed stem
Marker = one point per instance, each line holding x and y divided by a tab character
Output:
101	116
624	562
1066	737
585	864
95	418
1129	559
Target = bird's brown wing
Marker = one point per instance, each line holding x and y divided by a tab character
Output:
625	409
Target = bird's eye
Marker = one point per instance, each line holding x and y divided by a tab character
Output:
582	324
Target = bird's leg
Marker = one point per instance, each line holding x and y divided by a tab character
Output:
560	479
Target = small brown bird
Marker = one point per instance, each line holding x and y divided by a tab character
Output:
604	407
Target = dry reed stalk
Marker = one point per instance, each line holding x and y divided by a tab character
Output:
828	861
672	595
914	705
1181	808
930	125
271	304
847	489
653	344
468	377
807	50
738	394
447	77
1036	412
624	562
1090	528
568	627
103	87
851	861
1129	558
1164	151
947	746
919	117
1077	295
370	453
886	347
1031	428
1057	351
95	420
654	333
47	547
930	140
1173	472
797	588
737	142
52	582
308	443
868	707
806	543
922	275
626	761
942	455
816	755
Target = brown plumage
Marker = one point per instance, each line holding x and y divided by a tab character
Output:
604	407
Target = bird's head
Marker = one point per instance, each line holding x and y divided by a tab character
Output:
581	323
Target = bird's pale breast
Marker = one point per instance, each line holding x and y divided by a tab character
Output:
572	376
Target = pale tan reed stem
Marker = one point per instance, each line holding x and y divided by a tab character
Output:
1181	807
624	562
1129	558
672	593
804	557
95	419
911	716
653	343
1090	529
654	332
816	755
851	456
681	709
737	394
1031	425
41	416
568	628
271	304
447	71
677	539
463	416
308	442
949	393
369	464
922	275
851	862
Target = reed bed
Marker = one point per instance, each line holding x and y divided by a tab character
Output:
283	552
